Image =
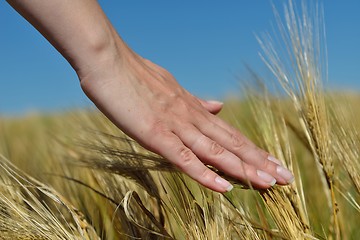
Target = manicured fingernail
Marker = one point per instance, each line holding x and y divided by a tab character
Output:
266	177
275	160
215	102
224	184
285	174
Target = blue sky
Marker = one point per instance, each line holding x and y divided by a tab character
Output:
205	44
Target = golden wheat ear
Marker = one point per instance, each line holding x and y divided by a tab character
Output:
32	210
301	68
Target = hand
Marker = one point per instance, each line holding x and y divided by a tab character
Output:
147	103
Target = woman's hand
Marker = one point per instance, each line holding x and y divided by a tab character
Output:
145	101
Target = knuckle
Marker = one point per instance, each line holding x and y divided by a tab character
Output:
216	149
155	134
158	127
238	142
186	157
181	105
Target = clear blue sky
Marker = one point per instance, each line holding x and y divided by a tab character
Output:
203	43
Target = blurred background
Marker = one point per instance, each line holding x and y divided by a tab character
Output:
205	44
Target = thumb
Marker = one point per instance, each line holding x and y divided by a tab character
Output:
212	106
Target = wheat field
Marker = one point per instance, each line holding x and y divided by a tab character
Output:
74	175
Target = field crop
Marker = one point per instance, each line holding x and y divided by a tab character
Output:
74	175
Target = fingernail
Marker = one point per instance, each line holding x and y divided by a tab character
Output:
275	160
224	184
285	174
266	177
215	102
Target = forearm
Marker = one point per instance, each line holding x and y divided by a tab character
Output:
78	29
145	101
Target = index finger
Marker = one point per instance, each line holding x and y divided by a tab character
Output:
172	148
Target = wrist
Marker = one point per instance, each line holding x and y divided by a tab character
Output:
99	51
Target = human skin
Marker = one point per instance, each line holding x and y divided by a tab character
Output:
145	101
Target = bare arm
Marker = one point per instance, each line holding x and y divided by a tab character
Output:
145	101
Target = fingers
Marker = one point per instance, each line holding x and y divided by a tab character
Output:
190	145
211	152
191	141
172	148
213	107
236	143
